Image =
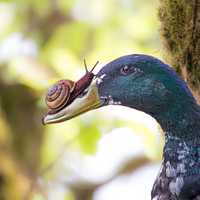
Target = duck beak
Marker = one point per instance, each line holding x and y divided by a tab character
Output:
89	101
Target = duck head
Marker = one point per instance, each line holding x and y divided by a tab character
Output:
137	81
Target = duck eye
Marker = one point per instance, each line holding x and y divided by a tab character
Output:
124	70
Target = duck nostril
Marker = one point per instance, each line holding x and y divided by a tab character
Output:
105	99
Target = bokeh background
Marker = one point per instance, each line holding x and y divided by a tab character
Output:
111	153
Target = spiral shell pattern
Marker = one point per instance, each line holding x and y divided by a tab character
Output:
59	94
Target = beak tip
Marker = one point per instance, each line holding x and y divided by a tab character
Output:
43	121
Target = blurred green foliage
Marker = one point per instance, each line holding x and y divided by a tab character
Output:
42	41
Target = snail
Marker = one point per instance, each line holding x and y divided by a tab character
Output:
65	91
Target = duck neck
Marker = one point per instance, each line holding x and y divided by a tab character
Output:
181	122
181	126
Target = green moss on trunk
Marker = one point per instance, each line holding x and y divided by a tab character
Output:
180	31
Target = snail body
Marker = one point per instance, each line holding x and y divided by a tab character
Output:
64	92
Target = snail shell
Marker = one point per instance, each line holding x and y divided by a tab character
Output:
59	94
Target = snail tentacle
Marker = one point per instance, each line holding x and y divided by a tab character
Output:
85	65
94	66
86	68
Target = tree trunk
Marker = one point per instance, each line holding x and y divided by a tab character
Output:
180	31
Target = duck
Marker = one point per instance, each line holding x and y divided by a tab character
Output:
147	84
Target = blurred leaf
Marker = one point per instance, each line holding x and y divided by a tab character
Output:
66	5
59	137
68	36
69	196
38	197
88	138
